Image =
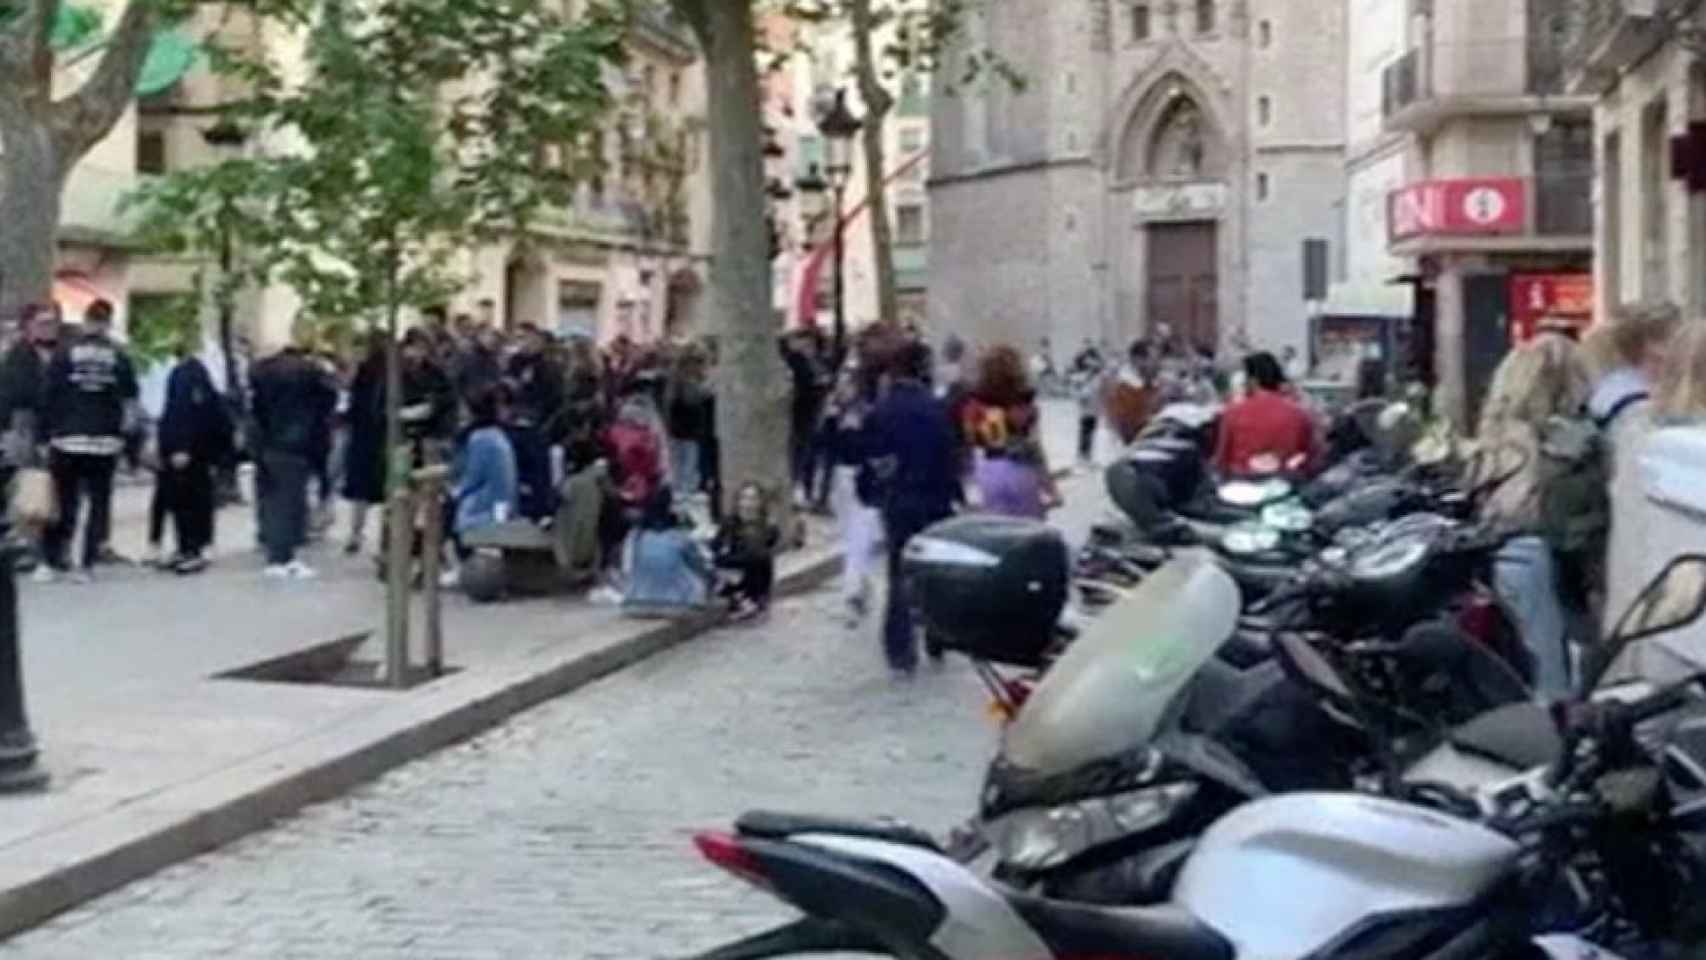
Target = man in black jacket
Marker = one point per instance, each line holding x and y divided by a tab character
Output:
90	384
195	435
23	382
292	400
23	395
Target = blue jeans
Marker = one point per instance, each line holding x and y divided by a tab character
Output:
1526	579
684	466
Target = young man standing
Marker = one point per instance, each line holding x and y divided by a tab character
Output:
292	399
89	384
910	446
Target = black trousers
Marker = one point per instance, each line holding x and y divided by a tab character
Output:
78	477
1086	437
751	579
187	495
283	504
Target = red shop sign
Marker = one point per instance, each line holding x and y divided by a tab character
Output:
1536	296
1458	207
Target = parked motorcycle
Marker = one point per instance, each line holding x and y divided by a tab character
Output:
1541	866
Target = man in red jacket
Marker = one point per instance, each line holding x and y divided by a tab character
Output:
1268	430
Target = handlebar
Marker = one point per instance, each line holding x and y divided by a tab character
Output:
1611	722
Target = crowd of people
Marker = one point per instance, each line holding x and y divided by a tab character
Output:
886	434
514	415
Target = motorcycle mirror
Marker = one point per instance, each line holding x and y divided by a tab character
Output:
1673	599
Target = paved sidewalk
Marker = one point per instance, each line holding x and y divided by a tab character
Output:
153	759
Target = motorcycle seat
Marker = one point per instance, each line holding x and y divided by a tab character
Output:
1519	734
1247	647
1081	930
780	826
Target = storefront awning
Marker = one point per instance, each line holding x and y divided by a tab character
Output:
1363	299
75	292
79	29
171	56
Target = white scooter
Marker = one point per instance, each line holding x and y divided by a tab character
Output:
1308	875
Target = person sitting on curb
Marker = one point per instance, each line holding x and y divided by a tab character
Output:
745	551
668	574
486	490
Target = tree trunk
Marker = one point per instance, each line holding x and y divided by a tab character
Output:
878	103
42	138
752	387
34	178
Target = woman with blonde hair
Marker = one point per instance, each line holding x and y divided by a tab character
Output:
1544	378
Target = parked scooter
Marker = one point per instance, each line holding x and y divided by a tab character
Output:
1542	867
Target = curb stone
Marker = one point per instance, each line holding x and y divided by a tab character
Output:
60	870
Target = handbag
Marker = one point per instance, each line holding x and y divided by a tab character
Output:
34	501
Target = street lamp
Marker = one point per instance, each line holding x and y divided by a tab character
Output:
775	192
226	137
838	126
19	769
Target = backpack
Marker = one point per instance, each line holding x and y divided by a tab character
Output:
1573	483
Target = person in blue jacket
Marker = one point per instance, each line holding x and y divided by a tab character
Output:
486	485
910	445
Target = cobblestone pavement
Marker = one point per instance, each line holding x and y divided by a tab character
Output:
565	833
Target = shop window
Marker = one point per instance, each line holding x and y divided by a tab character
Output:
1205	16
1265	34
1262	187
1264	110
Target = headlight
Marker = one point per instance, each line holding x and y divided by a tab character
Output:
1242	493
1038	839
1250	538
1289	517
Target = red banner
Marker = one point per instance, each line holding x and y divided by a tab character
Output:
1487	205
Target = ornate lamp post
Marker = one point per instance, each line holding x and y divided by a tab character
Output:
226	138
19	769
838	126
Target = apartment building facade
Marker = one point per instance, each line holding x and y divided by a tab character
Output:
1641	63
626	257
1493	212
796	89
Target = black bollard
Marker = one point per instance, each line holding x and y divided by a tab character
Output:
19	769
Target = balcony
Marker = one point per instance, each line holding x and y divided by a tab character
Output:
1499	77
1548	213
1607	36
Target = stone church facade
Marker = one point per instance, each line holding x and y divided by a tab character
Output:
1160	162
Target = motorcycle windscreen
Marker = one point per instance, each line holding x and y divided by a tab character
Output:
1112	688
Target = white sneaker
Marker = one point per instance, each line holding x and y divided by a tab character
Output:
44	574
450	579
297	570
277	571
81	575
606	596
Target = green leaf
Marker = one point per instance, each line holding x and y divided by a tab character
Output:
74	26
